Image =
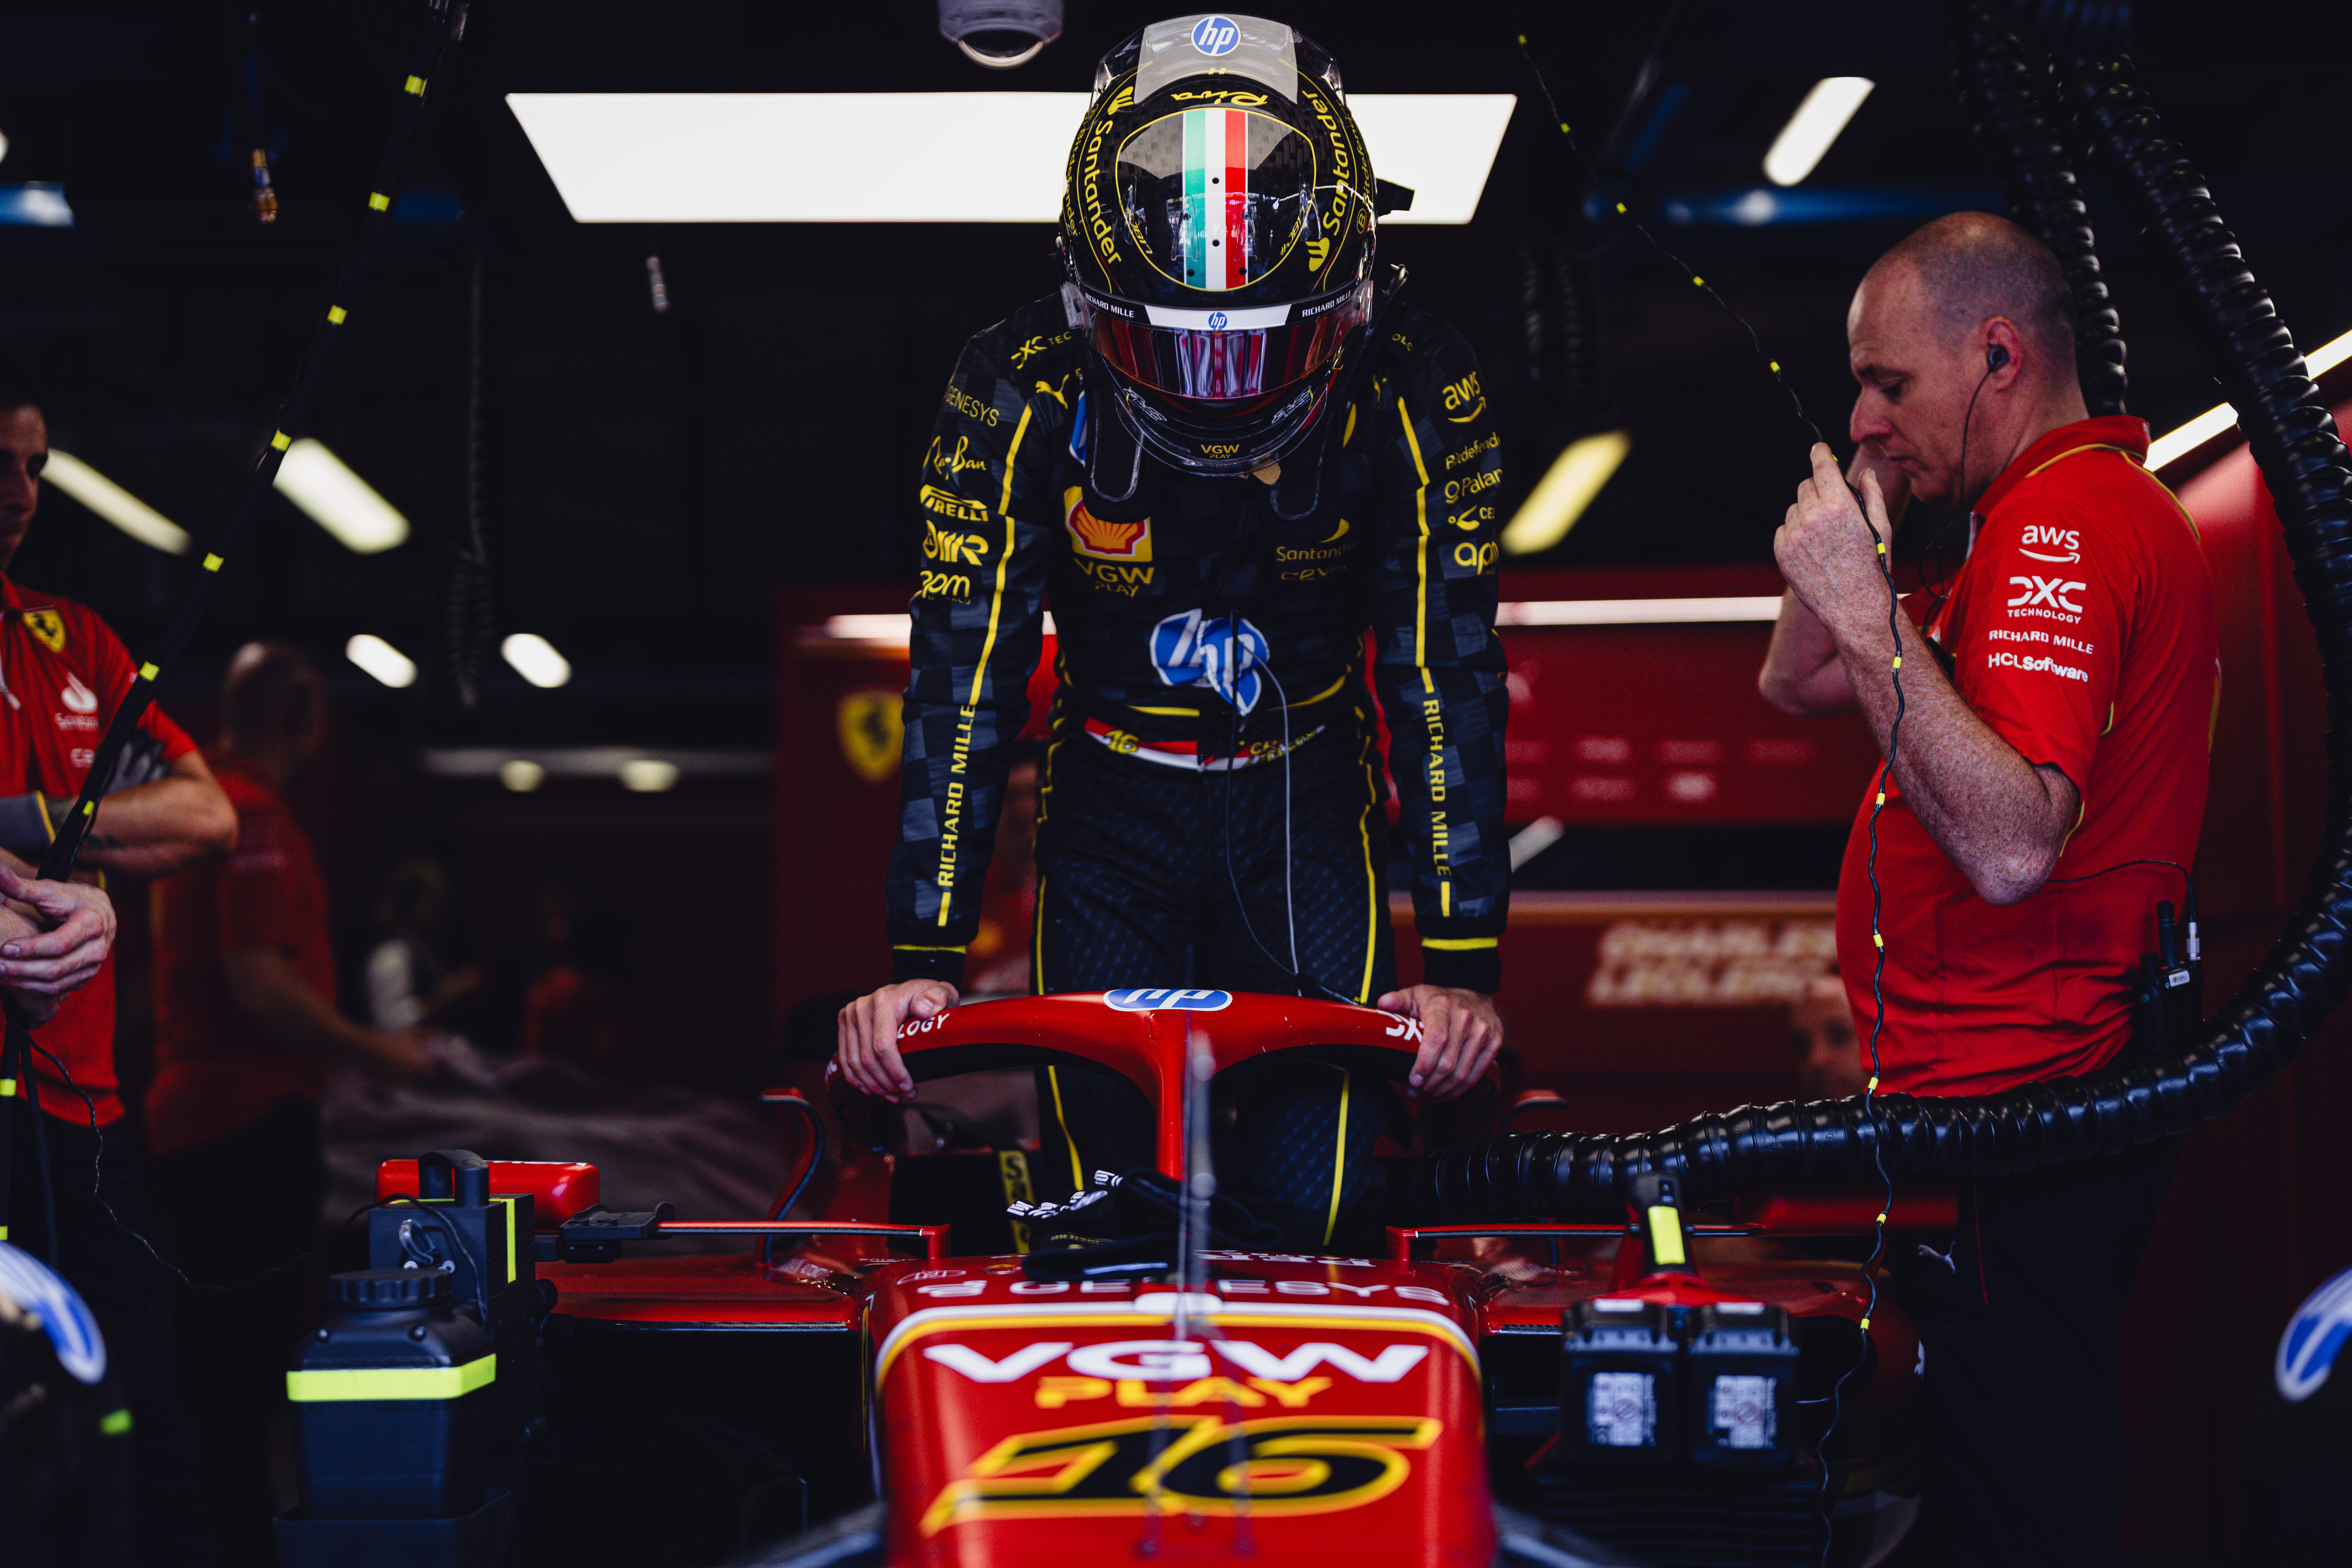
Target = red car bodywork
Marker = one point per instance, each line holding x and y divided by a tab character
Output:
1294	1407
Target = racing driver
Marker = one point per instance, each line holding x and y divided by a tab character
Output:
1226	450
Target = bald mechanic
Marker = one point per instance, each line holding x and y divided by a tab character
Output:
2046	791
62	671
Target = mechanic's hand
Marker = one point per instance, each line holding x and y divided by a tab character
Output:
1894	483
394	1057
66	955
1460	1032
868	1035
1825	551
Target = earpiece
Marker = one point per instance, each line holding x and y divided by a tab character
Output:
1995	357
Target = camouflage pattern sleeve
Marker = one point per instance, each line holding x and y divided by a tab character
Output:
984	496
1440	665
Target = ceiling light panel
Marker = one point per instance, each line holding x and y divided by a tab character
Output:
874	157
1816	125
338	499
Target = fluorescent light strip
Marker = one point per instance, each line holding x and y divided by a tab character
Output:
2173	445
1559	497
876	157
535	659
1815	127
115	504
1637	611
339	500
381	659
894	631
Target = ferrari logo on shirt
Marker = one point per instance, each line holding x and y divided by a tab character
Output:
1090	535
48	625
873	729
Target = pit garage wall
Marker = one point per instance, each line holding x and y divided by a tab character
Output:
1645	1008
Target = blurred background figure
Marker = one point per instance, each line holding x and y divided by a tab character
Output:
1822	1042
245	1032
578	1008
409	977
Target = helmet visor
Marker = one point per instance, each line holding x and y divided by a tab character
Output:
1225	362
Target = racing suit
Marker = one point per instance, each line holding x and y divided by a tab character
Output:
1209	808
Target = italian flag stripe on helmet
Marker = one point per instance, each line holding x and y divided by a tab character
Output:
1216	193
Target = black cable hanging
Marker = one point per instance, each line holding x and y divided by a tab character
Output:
1788	1146
2006	100
443	26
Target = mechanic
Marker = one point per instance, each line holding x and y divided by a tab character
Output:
246	1029
1226	454
62	672
2045	793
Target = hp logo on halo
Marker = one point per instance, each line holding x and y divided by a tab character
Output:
1216	36
1148	1000
1216	321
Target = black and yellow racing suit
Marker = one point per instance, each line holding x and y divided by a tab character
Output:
1197	622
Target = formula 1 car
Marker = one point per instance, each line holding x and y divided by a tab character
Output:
886	1355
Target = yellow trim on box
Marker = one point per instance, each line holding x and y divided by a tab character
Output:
335	1384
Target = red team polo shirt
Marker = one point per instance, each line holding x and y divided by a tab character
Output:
216	1071
2080	628
62	672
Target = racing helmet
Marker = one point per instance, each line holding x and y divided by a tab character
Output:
1217	224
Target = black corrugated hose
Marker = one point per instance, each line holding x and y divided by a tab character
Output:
2006	100
1585	1176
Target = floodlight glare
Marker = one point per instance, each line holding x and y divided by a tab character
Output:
1576	476
115	504
338	499
535	659
1816	124
381	659
648	776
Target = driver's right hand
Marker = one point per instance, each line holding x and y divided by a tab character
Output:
867	1050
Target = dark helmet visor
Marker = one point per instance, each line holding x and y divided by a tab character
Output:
1225	362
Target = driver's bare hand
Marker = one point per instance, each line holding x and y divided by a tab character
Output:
1460	1032
67	954
868	1035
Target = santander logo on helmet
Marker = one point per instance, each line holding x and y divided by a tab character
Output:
1216	36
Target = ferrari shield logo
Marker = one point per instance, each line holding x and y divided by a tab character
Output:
49	626
872	729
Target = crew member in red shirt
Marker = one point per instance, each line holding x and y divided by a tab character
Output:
2045	793
62	673
246	1030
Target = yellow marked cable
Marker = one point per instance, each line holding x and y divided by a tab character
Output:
379	202
114	1423
336	315
8	1089
1866	1325
1876	939
413	86
280	440
213	562
148	672
1872	1087
1697	281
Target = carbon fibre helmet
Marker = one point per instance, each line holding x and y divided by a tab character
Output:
1217	224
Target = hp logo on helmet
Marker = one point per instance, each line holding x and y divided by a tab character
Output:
1216	321
1216	36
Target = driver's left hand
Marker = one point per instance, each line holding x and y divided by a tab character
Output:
1460	1032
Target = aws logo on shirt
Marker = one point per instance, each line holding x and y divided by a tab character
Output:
2069	540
